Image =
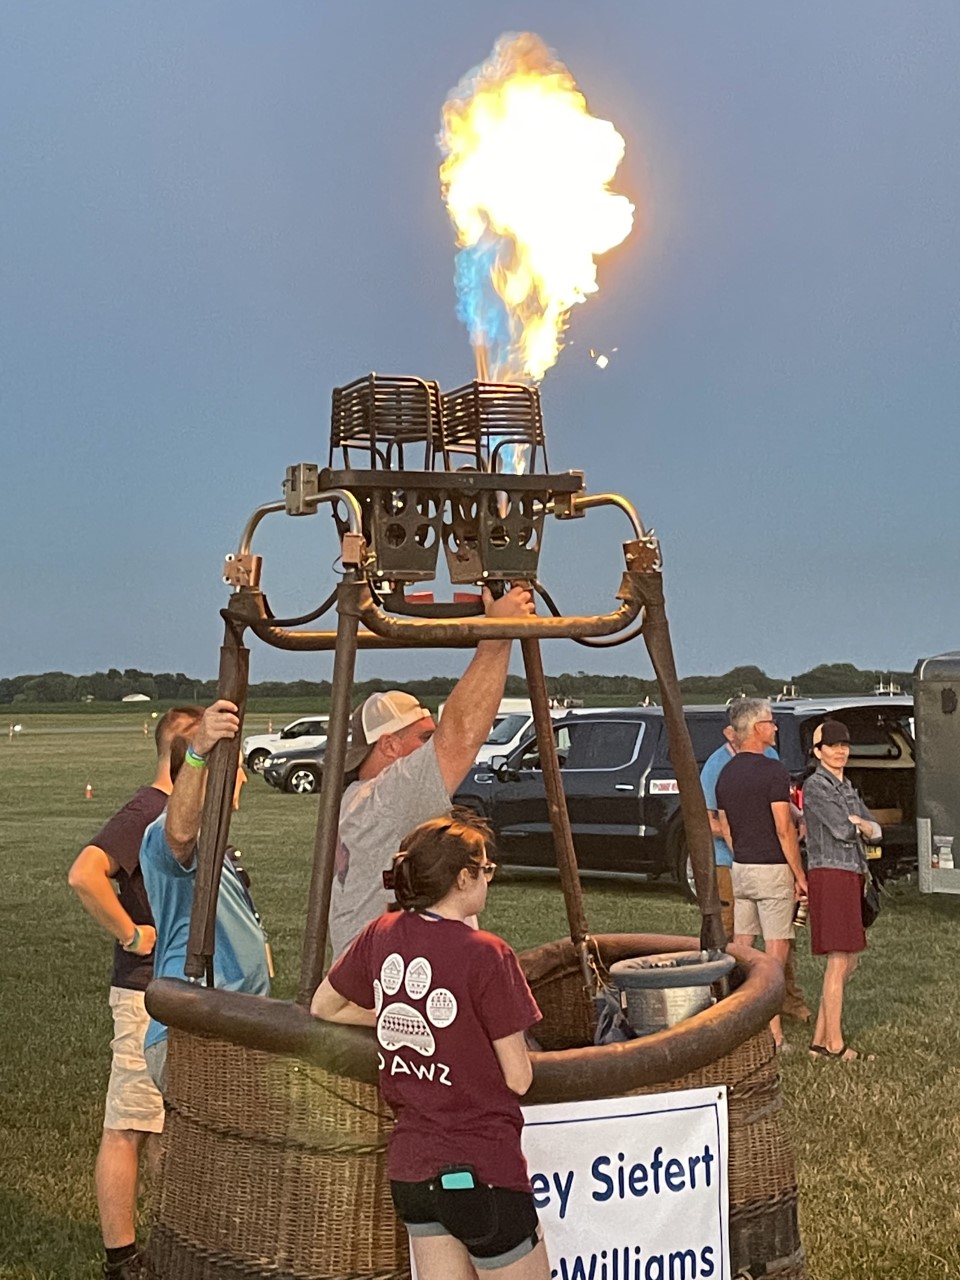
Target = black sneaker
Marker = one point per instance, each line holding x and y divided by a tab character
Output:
129	1269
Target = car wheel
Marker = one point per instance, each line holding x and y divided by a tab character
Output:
303	780
683	865
256	760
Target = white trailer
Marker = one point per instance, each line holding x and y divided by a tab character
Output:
936	700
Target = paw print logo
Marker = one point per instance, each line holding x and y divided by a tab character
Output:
400	1025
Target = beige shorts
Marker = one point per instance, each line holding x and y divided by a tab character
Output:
133	1100
763	900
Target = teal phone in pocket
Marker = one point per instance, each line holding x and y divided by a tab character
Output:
458	1180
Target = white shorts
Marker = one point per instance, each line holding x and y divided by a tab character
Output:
763	900
133	1100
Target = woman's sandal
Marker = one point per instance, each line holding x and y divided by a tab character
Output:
843	1054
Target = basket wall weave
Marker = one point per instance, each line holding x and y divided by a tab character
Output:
764	1231
270	1165
276	1167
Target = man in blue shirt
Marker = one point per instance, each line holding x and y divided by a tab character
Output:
721	850
794	1003
168	857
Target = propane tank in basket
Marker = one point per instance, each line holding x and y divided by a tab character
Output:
658	991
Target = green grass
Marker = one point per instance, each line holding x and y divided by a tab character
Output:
876	1143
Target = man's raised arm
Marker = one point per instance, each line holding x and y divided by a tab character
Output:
470	710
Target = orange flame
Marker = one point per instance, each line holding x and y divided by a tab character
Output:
526	182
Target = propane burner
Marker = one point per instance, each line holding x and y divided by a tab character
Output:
377	417
483	490
493	426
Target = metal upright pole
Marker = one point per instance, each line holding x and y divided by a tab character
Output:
217	807
556	802
331	790
696	825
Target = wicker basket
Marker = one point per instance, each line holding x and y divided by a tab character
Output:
275	1166
764	1232
270	1163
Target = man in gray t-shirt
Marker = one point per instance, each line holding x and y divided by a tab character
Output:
407	768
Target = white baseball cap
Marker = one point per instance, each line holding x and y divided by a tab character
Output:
380	714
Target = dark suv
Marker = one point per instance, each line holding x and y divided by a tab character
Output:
299	770
622	793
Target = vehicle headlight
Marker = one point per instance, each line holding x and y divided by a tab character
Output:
276	760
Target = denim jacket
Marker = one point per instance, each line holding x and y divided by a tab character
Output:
831	836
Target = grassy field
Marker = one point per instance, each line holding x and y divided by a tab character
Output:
876	1142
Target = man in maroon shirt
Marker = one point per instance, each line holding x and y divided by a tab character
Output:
753	795
106	877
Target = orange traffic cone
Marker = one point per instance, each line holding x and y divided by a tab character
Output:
88	793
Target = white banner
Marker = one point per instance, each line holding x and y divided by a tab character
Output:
633	1188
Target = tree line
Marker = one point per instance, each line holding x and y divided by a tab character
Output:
829	679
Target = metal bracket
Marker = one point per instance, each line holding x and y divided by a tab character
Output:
643	554
242	570
353	550
301	488
564	505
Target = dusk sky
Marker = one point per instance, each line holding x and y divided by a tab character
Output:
212	213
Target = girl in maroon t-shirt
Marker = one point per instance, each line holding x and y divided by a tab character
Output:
450	1006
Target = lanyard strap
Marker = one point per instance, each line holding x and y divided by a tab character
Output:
233	856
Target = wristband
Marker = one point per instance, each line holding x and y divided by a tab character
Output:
194	759
134	941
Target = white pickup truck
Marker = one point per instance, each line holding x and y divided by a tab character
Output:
308	731
512	723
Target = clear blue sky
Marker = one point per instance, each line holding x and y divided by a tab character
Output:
211	213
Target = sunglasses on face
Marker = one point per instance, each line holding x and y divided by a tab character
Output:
485	868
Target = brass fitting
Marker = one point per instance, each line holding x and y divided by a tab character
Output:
242	570
643	554
353	550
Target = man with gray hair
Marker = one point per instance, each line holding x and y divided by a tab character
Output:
753	798
794	1003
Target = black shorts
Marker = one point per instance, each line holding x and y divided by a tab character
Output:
496	1226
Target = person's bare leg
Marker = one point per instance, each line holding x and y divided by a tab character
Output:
794	1003
150	1156
831	1001
778	949
118	1162
819	1030
532	1266
151	1164
725	892
442	1258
